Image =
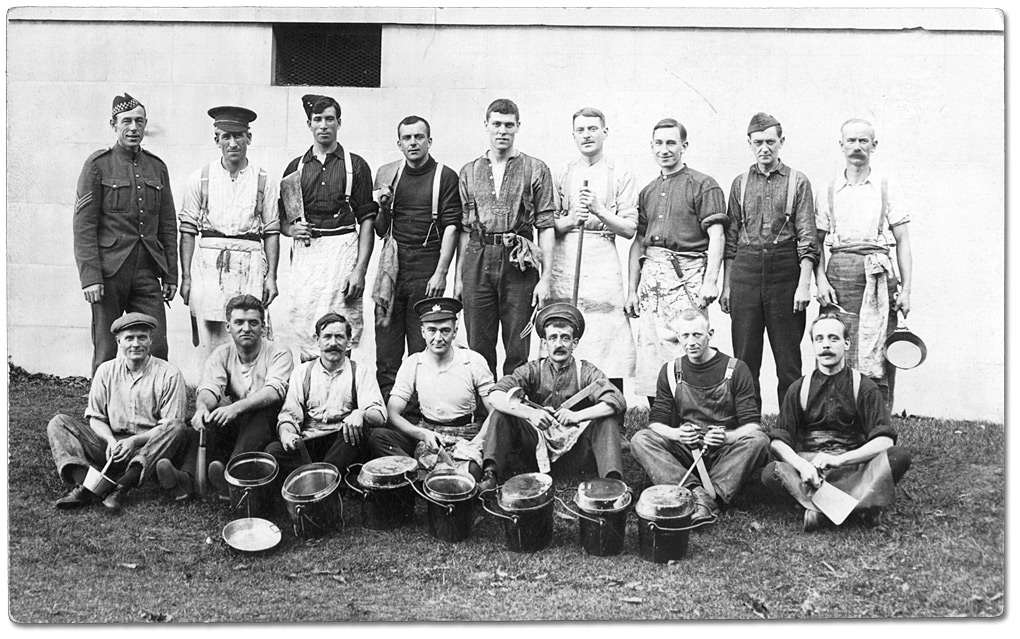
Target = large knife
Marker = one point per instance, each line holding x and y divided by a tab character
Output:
293	200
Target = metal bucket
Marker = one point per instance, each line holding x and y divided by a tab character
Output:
449	495
387	494
664	523
250	478
602	515
313	500
526	505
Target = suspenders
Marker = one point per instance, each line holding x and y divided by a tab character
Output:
203	205
791	192
881	218
675	374
434	220
806	386
307	381
348	169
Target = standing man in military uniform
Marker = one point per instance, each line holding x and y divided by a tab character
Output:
230	214
330	221
125	233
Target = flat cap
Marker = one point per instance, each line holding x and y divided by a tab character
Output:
761	121
434	309
233	119
132	319
308	101
123	103
563	312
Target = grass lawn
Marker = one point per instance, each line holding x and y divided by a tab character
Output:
940	552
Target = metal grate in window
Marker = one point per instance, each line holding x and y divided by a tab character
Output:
335	55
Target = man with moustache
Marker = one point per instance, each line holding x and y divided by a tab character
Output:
502	276
448	382
125	233
332	230
597	199
238	400
834	427
421	209
771	251
331	405
230	230
555	437
704	400
135	419
855	216
676	253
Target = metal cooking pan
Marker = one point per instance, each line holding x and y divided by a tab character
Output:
251	535
903	349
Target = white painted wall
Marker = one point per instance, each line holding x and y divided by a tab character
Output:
936	96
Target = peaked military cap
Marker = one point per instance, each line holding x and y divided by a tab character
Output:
560	311
233	119
123	103
434	309
132	319
761	121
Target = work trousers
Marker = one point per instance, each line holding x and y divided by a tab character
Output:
331	449
74	443
497	294
729	466
762	287
249	433
416	265
135	287
511	442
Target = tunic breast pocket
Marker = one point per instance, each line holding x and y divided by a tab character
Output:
153	196
116	194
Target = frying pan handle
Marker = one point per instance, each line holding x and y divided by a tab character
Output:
512	518
348	482
600	522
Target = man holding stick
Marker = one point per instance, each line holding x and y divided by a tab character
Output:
598	202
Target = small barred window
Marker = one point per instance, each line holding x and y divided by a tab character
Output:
334	55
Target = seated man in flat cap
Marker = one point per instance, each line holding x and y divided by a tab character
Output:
230	230
135	418
571	411
704	400
326	207
448	382
331	405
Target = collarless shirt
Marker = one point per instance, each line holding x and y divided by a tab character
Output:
857	214
549	385
761	224
225	376
412	205
231	203
517	206
619	196
136	402
323	187
328	399
675	210
445	392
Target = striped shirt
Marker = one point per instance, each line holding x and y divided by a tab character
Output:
323	187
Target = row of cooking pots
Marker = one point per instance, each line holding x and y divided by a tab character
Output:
388	489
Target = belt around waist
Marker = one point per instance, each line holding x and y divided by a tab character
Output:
343	230
500	239
456	422
252	237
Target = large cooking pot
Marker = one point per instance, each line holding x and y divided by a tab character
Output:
386	491
903	349
313	500
449	494
250	479
664	522
602	512
526	508
251	535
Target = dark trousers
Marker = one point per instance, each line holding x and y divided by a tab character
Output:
497	294
330	448
135	287
384	442
511	441
249	433
415	267
762	287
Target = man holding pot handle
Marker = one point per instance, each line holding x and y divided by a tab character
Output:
704	400
330	404
558	422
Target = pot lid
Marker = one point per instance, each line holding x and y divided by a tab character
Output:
444	484
525	491
665	501
251	469
602	494
387	472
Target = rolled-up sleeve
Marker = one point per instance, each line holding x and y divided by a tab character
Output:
606	391
790	416
403	383
480	373
369	395
173	402
733	213
804	220
872	413
364	206
711	204
544	193
293	412
215	376
190	215
278	370
270	206
626	196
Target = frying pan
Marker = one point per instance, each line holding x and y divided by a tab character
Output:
251	535
903	349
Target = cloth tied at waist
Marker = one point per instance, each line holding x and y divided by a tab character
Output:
556	441
385	289
874	313
524	253
463	444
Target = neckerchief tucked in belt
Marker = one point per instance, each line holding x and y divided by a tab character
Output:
874	314
463	443
523	252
